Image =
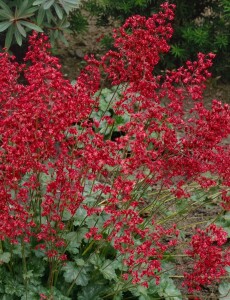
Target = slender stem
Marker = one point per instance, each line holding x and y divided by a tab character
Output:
25	278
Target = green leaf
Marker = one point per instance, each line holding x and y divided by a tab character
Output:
38	269
226	216
63	39
17	250
31	26
9	37
48	4
64	24
78	274
141	292
108	270
171	292
79	216
5	14
30	295
12	287
38	2
118	297
80	262
224	290
69	5
82	279
6	8
66	215
22	8
73	82
4	25
75	3
29	12
97	221
75	239
56	34
95	259
168	290
49	16
25	10
58	10
40	15
6	297
58	295
5	257
70	271
21	29
91	292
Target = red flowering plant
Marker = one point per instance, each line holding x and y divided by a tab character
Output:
96	182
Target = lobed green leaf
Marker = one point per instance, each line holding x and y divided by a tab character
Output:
5	257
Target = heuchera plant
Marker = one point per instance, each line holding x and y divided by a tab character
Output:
70	191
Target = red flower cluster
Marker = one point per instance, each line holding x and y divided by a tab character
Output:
144	260
209	258
52	149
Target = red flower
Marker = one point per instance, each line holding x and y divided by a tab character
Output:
209	258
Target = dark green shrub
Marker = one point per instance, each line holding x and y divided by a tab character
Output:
18	17
78	22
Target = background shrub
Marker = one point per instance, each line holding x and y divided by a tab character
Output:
18	17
